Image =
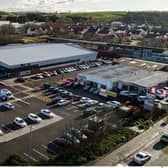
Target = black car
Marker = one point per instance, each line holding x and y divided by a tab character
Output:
62	142
51	88
55	90
56	99
20	79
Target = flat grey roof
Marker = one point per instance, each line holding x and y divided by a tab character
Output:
29	53
113	73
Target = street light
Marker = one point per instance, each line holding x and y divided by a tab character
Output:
30	144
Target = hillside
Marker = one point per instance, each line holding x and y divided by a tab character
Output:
153	18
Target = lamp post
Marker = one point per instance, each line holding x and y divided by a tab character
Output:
30	144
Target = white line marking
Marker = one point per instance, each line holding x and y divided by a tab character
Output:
17	104
41	154
30	157
23	101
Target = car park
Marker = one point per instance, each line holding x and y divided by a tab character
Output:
141	157
71	138
35	118
47	113
20	122
8	106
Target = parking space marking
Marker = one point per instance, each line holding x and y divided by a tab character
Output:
41	154
16	104
24	102
71	108
30	157
76	111
49	149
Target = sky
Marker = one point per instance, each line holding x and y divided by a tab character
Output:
83	5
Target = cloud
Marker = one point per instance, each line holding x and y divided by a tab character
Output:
36	5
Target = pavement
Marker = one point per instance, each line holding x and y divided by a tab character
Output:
133	146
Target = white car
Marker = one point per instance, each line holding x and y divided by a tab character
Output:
46	74
1	132
112	104
63	102
47	113
39	76
8	105
20	122
84	100
34	118
124	93
115	103
142	98
141	157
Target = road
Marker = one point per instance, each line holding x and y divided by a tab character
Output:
148	141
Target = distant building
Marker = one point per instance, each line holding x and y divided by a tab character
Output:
28	59
121	77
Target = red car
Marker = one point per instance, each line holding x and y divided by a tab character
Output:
76	98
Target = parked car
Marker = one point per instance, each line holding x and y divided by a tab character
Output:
39	76
46	74
8	106
56	99
20	122
76	98
124	93
77	133
20	79
71	138
62	142
141	157
63	102
159	94
7	93
84	99
87	87
164	138
47	113
35	118
141	98
1	132
55	90
3	97
114	104
53	73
